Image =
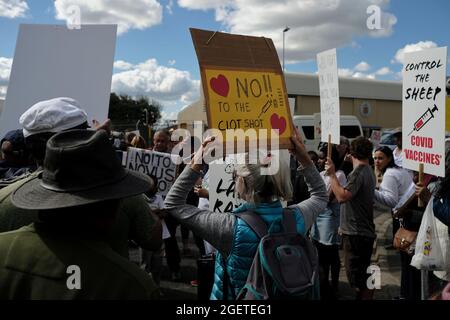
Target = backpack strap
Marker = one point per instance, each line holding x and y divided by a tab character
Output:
255	222
289	222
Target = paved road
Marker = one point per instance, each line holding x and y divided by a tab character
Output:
387	260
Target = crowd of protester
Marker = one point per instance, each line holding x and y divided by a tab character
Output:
66	199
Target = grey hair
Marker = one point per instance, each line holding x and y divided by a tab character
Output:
254	186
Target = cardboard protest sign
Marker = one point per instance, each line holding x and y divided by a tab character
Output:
375	138
424	78
329	96
222	196
153	163
243	84
53	61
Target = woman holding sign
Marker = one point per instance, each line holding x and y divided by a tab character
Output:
234	239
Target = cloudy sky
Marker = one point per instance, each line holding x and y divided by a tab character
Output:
155	56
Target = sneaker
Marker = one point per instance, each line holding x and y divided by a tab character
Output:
194	283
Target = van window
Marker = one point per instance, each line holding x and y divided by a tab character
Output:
350	132
309	132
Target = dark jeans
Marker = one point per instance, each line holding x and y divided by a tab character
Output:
328	261
357	254
410	288
172	251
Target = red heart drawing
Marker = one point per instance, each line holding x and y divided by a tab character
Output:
220	85
278	123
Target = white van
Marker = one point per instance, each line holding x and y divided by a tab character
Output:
309	127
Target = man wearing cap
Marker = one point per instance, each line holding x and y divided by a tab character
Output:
39	123
66	254
14	159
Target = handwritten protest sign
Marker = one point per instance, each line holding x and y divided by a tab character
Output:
243	85
329	96
153	163
53	61
424	77
222	196
375	138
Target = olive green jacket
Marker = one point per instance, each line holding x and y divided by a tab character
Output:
38	263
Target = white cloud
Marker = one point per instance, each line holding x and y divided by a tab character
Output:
5	70
422	45
315	25
13	8
172	62
136	14
203	4
362	66
383	71
169	115
359	71
362	75
3	92
122	65
345	72
170	86
169	7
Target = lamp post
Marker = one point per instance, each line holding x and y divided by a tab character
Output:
284	31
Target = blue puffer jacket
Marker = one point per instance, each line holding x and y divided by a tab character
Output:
244	248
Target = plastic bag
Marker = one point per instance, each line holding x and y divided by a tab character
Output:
445	247
428	254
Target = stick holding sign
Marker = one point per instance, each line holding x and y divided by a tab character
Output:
420	203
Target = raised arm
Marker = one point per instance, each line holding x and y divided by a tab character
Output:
340	192
388	193
310	208
216	228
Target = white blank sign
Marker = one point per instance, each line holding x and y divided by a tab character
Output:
53	61
329	95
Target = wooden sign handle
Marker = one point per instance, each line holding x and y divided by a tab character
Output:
420	202
329	147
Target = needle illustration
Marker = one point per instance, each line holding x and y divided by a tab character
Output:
265	107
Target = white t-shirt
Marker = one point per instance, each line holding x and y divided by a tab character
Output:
398	157
157	202
396	183
340	175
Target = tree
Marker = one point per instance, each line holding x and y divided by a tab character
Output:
125	112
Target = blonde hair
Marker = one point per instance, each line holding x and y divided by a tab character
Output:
254	186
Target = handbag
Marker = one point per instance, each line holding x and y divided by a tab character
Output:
404	240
